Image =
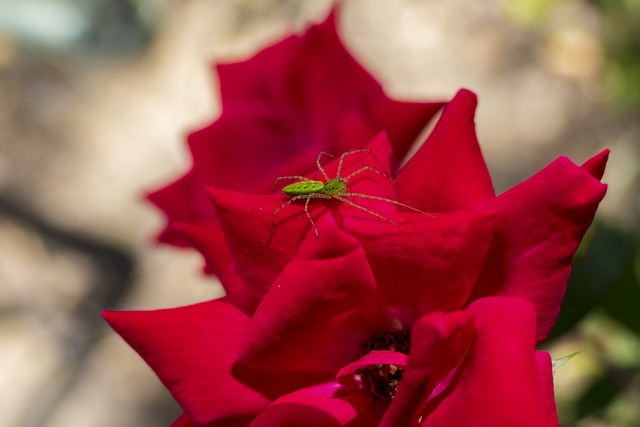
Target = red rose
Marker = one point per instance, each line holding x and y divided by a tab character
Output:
326	347
386	316
280	108
520	243
412	296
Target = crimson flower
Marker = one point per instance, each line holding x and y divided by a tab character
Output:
280	108
472	245
416	299
327	347
394	319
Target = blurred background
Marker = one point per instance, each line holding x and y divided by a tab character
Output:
96	97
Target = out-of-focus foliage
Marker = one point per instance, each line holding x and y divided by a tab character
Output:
621	20
618	30
600	316
600	268
601	313
530	12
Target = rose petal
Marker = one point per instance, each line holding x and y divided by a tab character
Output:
190	350
317	79
539	225
261	244
313	72
185	421
448	173
545	381
403	122
318	312
210	242
438	343
429	263
325	405
498	384
279	110
596	165
247	224
171	199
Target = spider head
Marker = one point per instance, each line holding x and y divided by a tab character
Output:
334	186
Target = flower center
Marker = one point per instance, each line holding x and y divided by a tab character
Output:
383	379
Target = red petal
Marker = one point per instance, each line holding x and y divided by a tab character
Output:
545	382
428	264
498	384
539	225
325	405
190	349
300	71
318	312
403	121
246	149
596	165
185	421
210	242
248	220
280	108
438	343
171	200
448	173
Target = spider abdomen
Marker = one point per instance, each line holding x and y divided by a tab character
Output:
303	187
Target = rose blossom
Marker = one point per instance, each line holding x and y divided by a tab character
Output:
327	348
520	243
428	320
388	317
280	108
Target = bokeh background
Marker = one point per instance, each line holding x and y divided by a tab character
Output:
96	97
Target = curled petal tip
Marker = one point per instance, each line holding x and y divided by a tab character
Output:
596	165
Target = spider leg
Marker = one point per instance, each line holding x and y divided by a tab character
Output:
384	199
347	153
360	150
290	177
369	168
275	214
308	198
362	208
320	168
306	210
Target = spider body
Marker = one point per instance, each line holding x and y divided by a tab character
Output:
304	188
333	188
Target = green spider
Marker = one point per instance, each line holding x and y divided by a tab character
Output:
333	188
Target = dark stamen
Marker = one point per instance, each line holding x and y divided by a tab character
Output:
383	379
